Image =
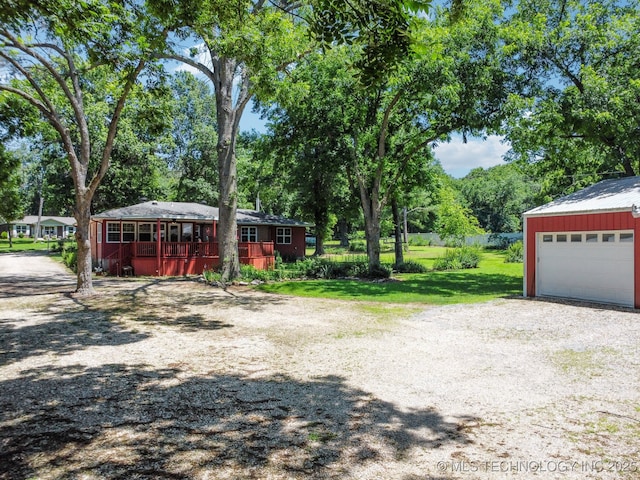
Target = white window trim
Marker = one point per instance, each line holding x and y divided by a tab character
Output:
250	233
284	233
120	231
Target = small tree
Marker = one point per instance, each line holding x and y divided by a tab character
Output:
455	221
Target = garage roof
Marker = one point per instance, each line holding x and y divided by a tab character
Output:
621	194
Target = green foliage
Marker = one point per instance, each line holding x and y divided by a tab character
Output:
383	31
576	117
455	221
459	258
515	253
498	196
4	235
357	246
410	267
70	255
419	241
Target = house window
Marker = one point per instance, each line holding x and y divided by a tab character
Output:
144	232
608	237
21	229
576	237
626	237
248	234
283	235
187	232
561	238
547	238
49	231
128	232
592	237
113	232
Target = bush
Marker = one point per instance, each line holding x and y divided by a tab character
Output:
4	235
70	255
21	235
419	241
357	246
459	259
515	252
410	267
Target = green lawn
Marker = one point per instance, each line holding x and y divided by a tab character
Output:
22	244
493	279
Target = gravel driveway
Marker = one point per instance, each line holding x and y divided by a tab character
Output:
174	379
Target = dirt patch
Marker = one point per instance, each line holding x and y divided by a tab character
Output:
175	379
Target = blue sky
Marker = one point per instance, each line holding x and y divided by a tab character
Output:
456	157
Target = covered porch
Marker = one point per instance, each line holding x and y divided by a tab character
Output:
163	258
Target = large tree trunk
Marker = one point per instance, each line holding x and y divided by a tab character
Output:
397	222
84	284
228	117
372	213
343	232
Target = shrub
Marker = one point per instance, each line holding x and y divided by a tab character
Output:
419	241
4	235
70	255
357	246
515	252
21	235
458	259
410	267
378	271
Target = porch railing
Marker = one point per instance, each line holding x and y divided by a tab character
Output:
194	249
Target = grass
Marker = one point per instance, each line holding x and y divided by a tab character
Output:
493	279
25	244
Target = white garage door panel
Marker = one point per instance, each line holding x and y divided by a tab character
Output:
599	271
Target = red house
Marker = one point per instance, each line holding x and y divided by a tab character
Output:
583	246
174	238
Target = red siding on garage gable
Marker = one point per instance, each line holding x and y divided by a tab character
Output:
580	223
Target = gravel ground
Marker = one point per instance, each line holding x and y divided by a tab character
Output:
175	379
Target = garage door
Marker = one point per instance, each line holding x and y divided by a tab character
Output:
594	266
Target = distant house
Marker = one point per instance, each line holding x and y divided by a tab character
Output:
174	238
50	227
586	245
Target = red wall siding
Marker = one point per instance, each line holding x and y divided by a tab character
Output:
579	223
297	246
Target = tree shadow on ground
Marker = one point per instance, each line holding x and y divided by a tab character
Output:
64	332
121	421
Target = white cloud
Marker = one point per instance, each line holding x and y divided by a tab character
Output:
458	158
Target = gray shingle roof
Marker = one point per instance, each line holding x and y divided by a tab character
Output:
606	196
47	220
191	211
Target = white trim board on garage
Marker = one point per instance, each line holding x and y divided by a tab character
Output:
596	266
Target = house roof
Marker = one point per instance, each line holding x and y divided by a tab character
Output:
615	195
191	211
47	220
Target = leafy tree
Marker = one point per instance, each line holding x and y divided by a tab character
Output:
241	46
498	196
391	126
192	153
381	29
52	48
578	113
11	207
455	220
307	143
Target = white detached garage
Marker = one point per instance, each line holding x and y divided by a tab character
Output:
586	245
